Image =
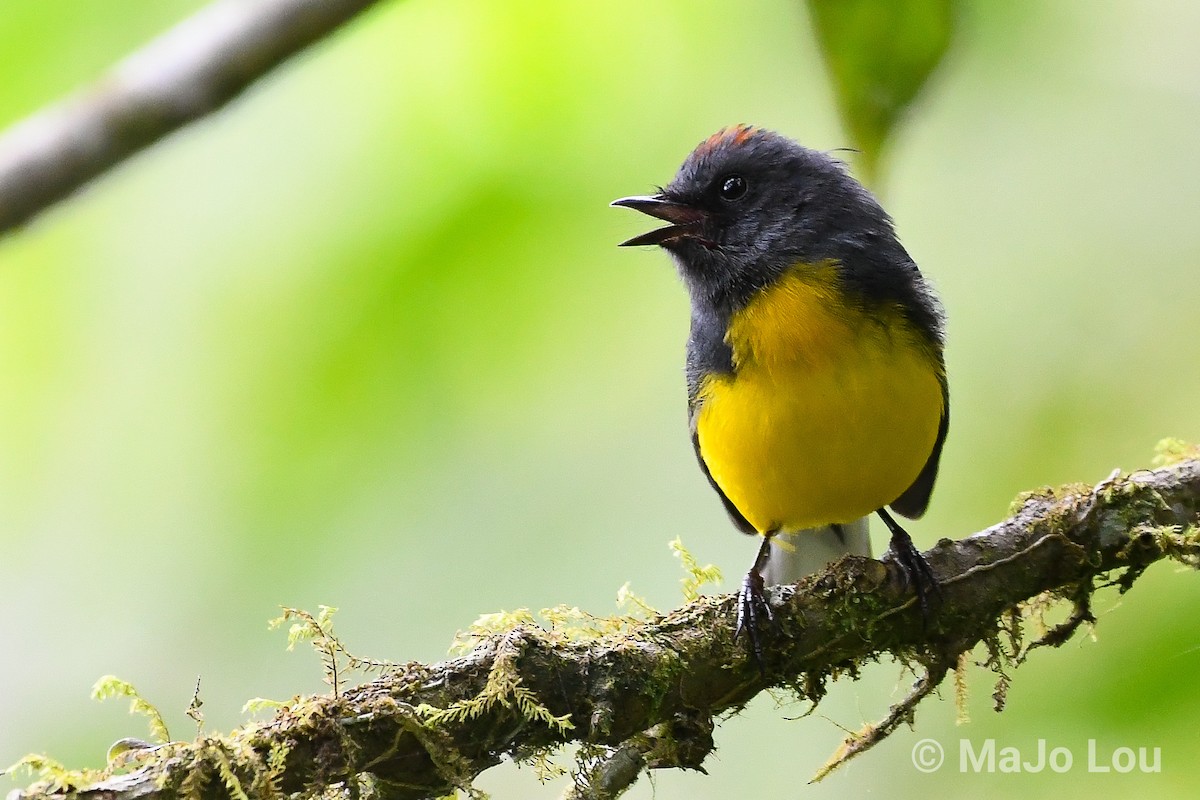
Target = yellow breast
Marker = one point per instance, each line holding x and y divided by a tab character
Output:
831	411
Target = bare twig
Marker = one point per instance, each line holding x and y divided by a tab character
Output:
871	735
649	694
188	72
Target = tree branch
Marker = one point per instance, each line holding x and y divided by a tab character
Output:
190	71
648	695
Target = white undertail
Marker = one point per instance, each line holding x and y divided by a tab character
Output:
808	551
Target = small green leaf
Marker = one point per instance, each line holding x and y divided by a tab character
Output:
879	54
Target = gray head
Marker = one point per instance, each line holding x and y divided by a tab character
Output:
749	204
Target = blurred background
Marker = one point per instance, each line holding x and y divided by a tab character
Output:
365	339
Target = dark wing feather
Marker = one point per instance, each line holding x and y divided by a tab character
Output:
915	499
739	521
707	353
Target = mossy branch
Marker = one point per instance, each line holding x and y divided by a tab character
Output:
646	697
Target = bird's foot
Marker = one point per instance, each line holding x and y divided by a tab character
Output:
917	572
752	609
920	577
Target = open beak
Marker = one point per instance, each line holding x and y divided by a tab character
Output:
685	220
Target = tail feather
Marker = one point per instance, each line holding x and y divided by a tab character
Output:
808	551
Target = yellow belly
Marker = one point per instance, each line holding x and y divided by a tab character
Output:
830	414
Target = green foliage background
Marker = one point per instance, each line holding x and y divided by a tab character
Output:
364	339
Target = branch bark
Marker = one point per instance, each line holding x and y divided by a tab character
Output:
648	696
187	73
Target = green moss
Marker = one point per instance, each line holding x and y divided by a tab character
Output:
503	688
1047	495
695	576
1172	451
1180	544
51	776
112	686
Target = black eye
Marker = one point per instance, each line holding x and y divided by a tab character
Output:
733	188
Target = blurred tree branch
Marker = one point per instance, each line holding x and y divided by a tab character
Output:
647	697
188	72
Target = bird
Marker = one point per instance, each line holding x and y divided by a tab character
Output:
816	379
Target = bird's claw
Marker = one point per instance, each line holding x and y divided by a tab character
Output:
752	607
918	575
